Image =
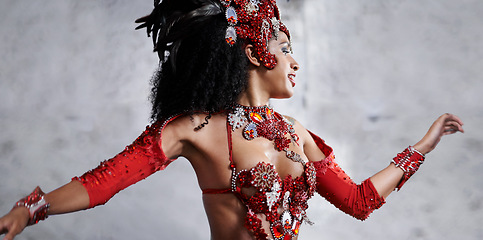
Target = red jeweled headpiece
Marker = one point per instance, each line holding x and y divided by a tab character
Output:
256	21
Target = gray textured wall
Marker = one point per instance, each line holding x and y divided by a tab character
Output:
375	74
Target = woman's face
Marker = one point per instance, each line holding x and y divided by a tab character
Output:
280	80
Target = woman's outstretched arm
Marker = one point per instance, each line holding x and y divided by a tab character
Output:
387	180
71	197
68	198
139	160
359	200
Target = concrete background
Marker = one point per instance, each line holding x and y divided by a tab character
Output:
74	81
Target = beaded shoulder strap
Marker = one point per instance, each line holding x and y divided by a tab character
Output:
230	145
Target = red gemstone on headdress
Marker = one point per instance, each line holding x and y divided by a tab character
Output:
230	41
230	35
231	16
252	19
231	20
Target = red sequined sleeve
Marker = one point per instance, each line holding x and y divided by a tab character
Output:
138	160
357	200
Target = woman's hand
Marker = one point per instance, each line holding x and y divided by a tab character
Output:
444	125
14	222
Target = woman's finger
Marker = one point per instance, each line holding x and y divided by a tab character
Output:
455	125
12	232
3	228
453	118
450	130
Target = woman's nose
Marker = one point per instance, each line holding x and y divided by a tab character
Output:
295	65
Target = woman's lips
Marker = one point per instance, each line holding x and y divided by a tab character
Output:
291	77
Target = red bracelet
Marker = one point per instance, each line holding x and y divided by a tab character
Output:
409	161
36	204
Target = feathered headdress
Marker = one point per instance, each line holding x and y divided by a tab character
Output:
255	21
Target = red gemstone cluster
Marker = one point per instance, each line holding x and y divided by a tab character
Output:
282	202
256	21
264	176
264	122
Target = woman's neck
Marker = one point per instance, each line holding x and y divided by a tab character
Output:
251	99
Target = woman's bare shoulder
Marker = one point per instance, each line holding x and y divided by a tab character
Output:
311	149
192	132
299	128
186	127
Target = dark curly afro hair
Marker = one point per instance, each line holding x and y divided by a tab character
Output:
199	71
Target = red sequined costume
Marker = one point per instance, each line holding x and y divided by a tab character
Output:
283	202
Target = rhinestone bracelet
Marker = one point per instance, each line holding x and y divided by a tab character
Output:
409	161
36	205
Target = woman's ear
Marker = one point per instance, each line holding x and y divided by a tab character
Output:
250	52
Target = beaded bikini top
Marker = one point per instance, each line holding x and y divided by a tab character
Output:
281	202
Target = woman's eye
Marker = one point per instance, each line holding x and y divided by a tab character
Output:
286	51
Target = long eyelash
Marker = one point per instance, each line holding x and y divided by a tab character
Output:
288	49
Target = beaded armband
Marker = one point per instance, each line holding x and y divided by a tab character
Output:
36	205
409	161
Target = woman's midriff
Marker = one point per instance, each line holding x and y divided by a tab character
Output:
226	216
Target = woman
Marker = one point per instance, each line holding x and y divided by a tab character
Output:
221	62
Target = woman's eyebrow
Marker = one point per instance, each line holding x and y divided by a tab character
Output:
286	43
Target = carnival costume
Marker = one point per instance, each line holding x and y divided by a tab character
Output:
282	202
